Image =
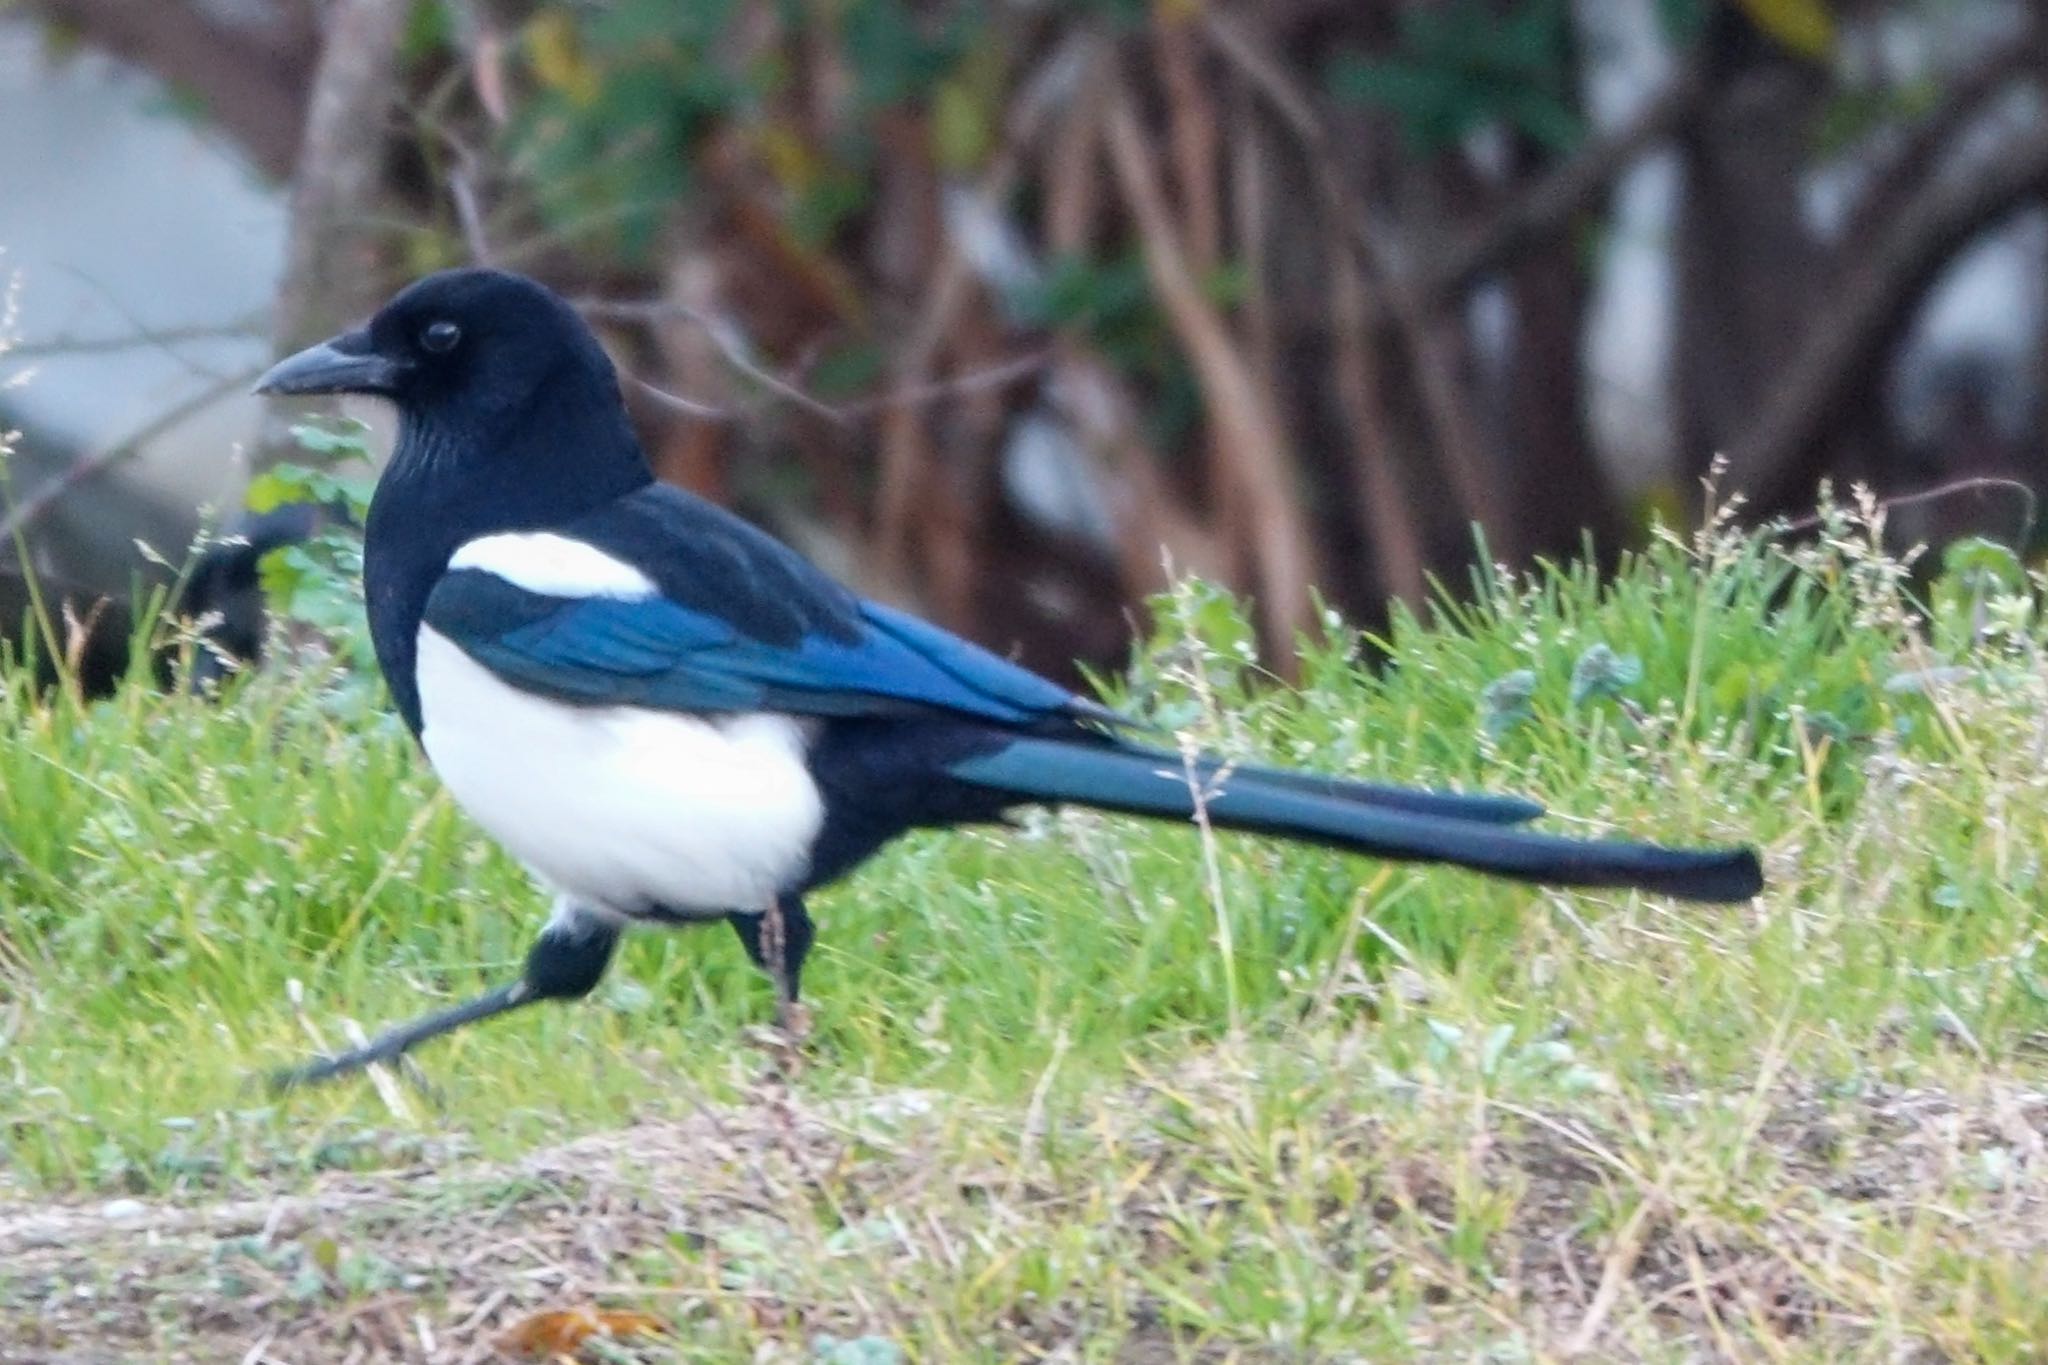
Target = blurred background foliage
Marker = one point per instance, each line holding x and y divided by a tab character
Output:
1003	307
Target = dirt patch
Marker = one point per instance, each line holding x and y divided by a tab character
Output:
418	1264
752	1219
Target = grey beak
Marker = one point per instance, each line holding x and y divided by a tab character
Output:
346	364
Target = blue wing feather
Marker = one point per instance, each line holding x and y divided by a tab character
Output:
739	622
658	652
972	667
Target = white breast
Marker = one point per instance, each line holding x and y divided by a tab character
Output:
620	807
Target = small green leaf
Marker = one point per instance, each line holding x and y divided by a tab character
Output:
961	130
1494	1047
346	439
869	1350
1984	563
1504	703
326	1253
308	1284
1600	672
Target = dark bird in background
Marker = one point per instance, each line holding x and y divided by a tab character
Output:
95	632
224	594
671	717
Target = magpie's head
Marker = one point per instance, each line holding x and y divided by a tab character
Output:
454	346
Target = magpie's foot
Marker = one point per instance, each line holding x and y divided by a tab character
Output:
784	1040
393	1045
793	1021
323	1069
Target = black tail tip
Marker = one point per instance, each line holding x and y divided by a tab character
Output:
1724	875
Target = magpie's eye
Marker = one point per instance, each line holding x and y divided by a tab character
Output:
440	337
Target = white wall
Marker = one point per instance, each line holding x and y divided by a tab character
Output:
121	216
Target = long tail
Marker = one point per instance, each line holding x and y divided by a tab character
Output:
1358	817
1479	807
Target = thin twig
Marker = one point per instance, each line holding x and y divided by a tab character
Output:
2029	500
999	375
726	337
730	345
469	213
30	509
675	402
1620	1265
164	338
462	190
150	335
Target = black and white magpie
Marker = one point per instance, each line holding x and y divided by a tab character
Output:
671	717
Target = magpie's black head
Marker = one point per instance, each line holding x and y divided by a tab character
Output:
478	341
509	410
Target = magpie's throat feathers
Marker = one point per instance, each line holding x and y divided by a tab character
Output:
458	474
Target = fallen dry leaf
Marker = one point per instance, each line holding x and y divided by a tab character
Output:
564	1331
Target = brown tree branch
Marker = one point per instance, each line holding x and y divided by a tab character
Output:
332	275
1548	206
1417	317
905	447
733	349
329	279
999	375
1781	458
1192	137
1923	146
1240	410
1542	210
1396	539
250	81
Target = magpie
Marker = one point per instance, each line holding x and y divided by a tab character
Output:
225	592
671	717
221	598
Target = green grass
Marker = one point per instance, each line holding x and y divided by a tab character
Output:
1071	1090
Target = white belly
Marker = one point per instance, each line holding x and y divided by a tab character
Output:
621	808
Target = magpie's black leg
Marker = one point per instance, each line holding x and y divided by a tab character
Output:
797	932
778	943
566	961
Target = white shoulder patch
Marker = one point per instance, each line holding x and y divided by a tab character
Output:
553	565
